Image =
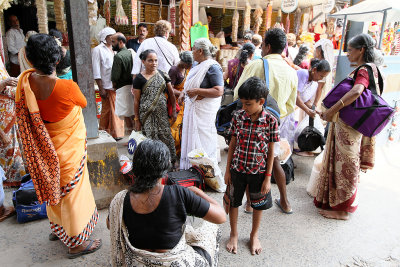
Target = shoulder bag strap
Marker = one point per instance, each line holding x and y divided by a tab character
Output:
266	71
162	51
153	105
373	82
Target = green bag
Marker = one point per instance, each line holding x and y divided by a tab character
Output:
198	31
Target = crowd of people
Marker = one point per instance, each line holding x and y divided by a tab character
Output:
173	99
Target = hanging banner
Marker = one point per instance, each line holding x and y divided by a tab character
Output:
134	12
172	16
268	19
189	3
288	6
330	4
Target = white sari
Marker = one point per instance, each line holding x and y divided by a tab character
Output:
199	118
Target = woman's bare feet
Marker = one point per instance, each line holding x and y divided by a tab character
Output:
231	247
255	245
333	214
88	246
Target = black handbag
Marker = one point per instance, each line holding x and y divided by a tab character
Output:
186	178
310	138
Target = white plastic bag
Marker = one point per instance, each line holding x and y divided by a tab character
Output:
312	185
134	140
212	173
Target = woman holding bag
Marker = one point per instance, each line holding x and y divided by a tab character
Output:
151	115
204	87
347	151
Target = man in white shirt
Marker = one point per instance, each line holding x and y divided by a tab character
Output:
15	41
167	53
102	61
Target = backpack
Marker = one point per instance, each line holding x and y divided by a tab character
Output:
194	176
225	112
310	138
288	168
26	202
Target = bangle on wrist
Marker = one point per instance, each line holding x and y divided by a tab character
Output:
136	118
268	174
341	101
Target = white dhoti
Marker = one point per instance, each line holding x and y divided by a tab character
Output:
124	102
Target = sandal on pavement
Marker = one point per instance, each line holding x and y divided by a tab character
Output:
278	203
7	213
87	250
53	237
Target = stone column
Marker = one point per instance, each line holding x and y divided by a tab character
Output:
81	59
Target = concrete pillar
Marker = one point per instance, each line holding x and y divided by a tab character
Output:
81	59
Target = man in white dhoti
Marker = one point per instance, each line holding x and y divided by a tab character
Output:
167	53
122	79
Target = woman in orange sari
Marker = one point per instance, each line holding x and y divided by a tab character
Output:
53	135
178	76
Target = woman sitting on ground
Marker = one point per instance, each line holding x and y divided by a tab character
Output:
178	76
147	222
53	134
151	114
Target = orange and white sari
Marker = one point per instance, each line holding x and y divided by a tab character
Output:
56	159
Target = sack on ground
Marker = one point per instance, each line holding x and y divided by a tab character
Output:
212	173
134	140
312	185
26	203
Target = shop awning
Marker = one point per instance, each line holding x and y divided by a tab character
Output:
371	10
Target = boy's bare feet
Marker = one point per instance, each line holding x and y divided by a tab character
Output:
255	245
248	208
333	214
231	247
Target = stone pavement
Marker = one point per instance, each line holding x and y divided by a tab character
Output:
370	238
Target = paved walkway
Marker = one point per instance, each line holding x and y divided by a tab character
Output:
370	238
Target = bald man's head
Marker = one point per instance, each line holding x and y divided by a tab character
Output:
118	41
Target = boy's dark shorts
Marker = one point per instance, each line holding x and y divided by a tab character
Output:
239	181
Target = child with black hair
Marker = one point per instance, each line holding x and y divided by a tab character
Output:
250	158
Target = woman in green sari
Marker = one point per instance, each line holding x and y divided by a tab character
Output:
150	102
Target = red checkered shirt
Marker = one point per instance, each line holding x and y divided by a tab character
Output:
252	138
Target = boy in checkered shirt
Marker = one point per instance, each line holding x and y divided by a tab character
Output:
250	159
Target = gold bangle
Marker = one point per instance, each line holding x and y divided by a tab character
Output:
341	101
136	119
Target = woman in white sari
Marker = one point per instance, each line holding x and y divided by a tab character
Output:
202	93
